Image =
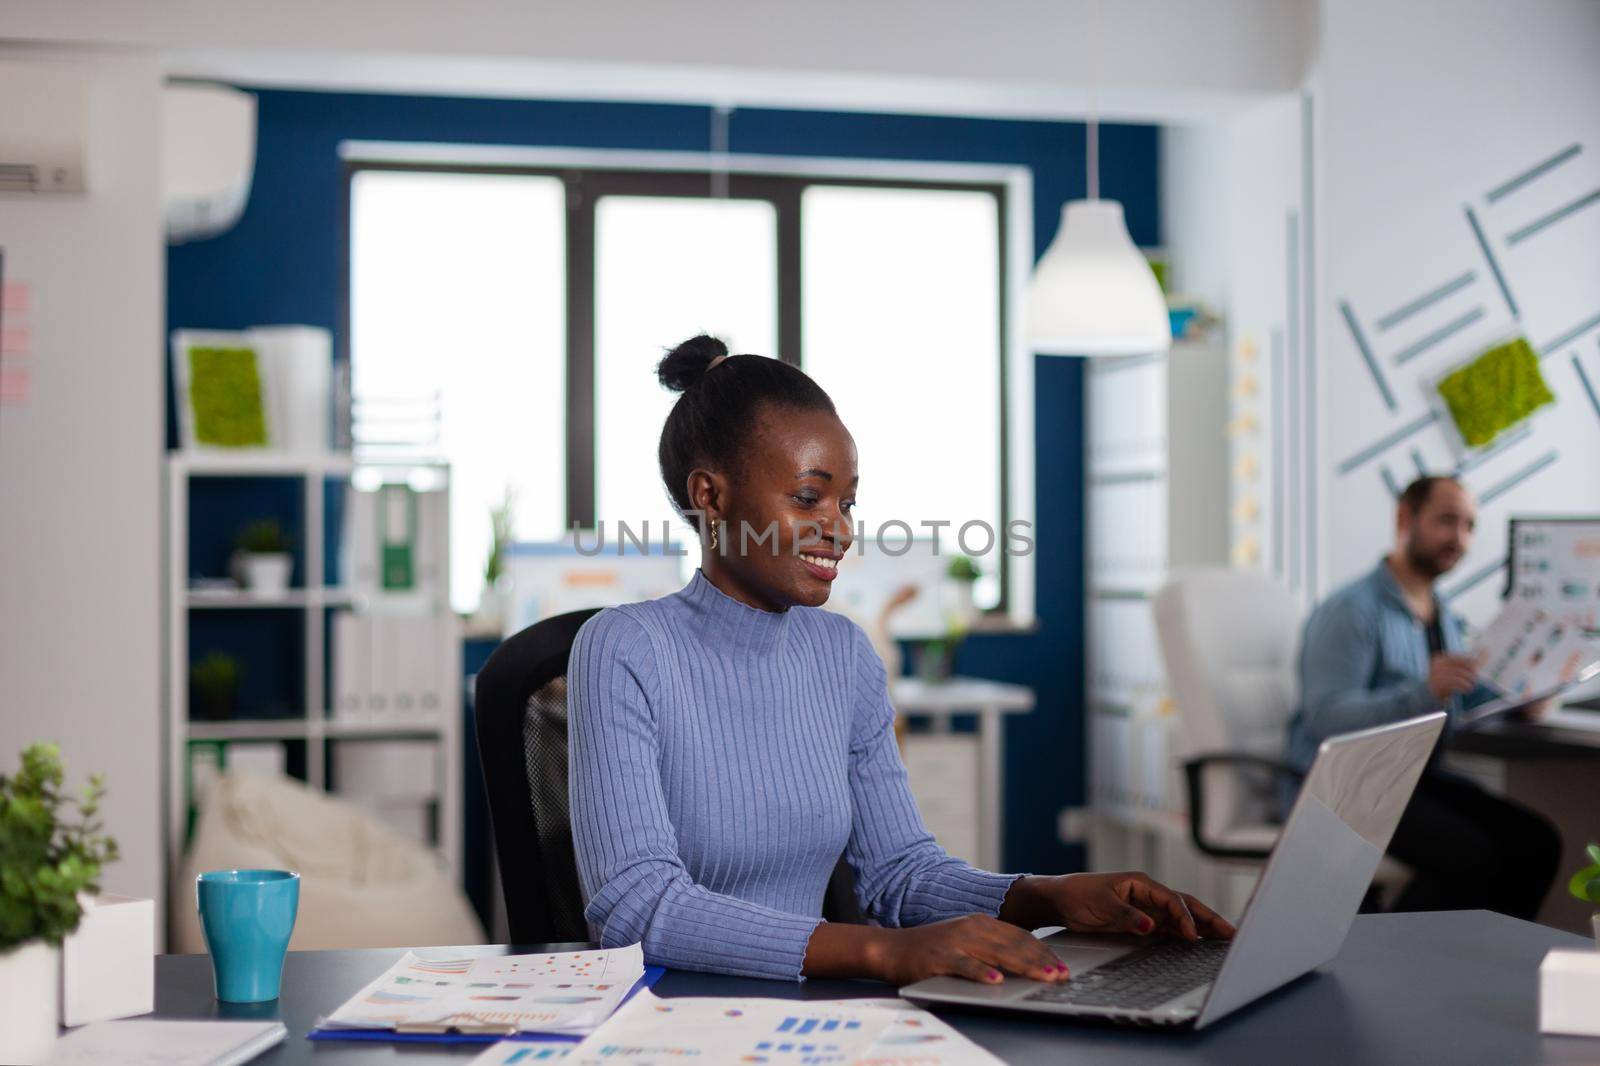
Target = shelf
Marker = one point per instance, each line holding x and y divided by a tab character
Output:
308	729
261	463
245	599
252	729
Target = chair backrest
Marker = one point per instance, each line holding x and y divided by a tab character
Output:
1228	641
520	709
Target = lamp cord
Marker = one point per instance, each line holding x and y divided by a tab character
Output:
1092	132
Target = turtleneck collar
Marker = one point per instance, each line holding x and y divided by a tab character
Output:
731	624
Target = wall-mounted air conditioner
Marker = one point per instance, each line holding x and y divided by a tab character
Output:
42	128
208	155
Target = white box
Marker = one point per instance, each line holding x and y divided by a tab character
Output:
108	967
383	770
1569	988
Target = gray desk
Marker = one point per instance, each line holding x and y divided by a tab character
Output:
1460	988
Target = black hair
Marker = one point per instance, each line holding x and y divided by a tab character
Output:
712	423
1415	497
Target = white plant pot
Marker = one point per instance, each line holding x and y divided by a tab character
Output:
264	572
30	991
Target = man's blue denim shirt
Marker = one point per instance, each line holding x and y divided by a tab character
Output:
1364	663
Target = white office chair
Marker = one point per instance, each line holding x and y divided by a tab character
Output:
1228	640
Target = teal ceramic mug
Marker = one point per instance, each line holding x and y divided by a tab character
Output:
247	916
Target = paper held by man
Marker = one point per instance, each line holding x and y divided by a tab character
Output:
1528	654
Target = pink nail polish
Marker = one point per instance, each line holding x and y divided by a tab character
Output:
994	975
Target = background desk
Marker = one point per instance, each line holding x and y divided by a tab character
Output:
990	702
1460	988
1551	766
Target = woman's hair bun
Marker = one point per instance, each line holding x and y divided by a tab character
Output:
688	362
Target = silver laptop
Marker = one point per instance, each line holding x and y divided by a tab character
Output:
1296	919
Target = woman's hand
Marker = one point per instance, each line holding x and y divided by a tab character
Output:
974	946
1111	903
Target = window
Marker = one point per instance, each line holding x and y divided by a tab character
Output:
667	268
458	332
530	304
902	301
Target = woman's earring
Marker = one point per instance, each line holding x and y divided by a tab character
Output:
713	535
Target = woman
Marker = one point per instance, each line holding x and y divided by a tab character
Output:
730	741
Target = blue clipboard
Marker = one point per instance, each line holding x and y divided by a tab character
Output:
652	974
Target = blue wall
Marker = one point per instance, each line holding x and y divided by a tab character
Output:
282	264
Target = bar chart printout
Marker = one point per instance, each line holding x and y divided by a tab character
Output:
649	1030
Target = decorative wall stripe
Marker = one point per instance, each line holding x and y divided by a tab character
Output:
1571	335
1588	386
1296	428
1389	481
1517	236
1537	170
1366	354
1506	441
1383	444
1427	299
1473	580
1280	415
1494	266
1447	330
1496	491
1417	461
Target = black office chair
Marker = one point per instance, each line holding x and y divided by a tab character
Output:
521	713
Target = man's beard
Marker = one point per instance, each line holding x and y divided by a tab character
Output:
1430	564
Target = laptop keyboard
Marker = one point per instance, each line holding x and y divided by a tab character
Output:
1142	979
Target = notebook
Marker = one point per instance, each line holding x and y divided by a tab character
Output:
160	1043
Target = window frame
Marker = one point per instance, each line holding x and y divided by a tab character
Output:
588	176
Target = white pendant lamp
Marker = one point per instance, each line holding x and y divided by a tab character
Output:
1093	293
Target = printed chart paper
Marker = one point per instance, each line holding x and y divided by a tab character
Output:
524	1053
565	993
1528	653
920	1038
650	1031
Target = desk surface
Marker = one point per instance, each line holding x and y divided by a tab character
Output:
958	695
1564	734
1460	988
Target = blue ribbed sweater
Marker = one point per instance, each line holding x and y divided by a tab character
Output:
722	758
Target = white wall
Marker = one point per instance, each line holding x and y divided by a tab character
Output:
1149	58
80	618
1423	108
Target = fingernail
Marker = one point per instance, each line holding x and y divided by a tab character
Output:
1145	925
994	975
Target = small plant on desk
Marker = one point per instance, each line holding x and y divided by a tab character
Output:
1585	884
51	854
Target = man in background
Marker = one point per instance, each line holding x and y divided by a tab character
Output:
1383	649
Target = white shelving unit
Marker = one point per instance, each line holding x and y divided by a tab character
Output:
314	725
1157	499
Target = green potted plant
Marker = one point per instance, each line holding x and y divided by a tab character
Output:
51	854
214	681
962	574
1585	884
261	561
489	618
